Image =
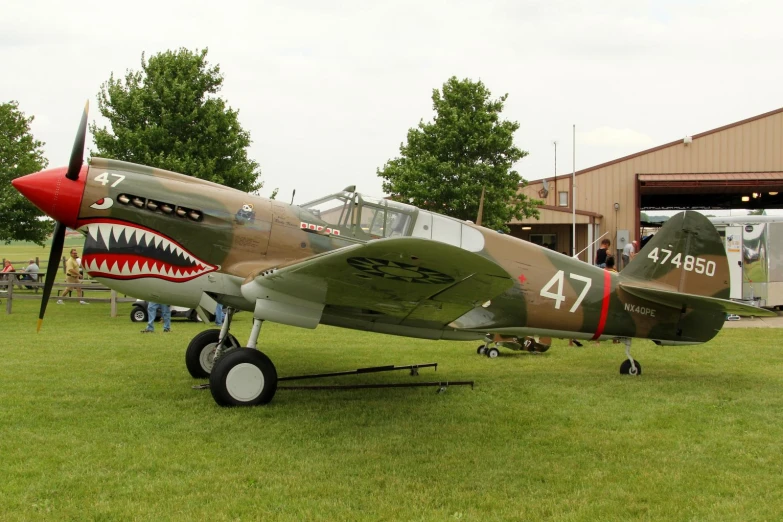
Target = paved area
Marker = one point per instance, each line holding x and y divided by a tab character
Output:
756	322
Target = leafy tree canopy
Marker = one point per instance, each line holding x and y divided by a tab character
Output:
445	163
20	154
757	212
168	115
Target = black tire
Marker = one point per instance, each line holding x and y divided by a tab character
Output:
193	316
245	377
138	315
481	349
625	368
200	353
493	352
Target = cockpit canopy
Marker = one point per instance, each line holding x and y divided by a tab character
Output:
350	214
360	216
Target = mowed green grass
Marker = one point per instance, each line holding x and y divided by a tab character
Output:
99	422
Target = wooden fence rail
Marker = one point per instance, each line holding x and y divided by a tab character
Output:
11	280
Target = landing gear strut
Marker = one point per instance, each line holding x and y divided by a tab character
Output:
629	366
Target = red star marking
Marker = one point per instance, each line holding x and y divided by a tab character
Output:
522	278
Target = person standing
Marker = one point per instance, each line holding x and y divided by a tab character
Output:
601	253
629	251
219	315
152	314
72	278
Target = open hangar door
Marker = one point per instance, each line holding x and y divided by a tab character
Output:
748	190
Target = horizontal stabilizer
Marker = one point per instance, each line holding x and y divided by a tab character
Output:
696	302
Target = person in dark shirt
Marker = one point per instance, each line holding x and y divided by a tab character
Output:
600	255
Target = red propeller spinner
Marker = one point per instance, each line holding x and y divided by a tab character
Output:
56	195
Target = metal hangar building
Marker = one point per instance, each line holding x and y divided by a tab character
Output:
737	166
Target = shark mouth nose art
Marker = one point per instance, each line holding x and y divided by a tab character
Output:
116	250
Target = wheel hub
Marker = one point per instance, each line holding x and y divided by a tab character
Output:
207	356
245	382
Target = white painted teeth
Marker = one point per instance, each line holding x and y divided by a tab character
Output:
103	233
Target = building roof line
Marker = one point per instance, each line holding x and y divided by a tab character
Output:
569	211
657	148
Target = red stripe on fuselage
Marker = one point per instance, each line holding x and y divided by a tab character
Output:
604	304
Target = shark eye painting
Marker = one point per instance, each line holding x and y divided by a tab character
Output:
102	204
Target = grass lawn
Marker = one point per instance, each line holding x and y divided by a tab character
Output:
98	422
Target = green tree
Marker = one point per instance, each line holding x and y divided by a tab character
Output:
445	164
20	154
757	212
168	115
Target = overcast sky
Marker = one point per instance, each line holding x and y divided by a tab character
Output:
328	89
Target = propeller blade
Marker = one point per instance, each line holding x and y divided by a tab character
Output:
58	238
77	154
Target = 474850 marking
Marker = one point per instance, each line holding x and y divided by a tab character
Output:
688	263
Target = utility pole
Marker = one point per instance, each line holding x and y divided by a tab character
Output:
573	199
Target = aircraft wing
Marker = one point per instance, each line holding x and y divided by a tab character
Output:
678	300
404	278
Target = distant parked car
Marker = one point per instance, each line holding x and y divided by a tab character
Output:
139	313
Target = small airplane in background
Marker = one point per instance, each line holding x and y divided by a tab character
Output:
369	264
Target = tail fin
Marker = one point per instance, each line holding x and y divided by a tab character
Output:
687	255
685	266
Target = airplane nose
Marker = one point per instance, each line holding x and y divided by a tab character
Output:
56	195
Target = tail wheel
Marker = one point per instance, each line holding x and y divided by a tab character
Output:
200	354
625	368
245	377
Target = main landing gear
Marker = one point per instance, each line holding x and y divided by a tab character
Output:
629	366
238	376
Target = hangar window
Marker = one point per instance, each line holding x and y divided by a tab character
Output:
562	199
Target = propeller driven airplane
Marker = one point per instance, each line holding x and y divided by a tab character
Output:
370	264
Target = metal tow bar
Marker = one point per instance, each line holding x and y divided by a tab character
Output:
414	370
442	386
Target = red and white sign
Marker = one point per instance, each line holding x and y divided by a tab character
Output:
318	228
